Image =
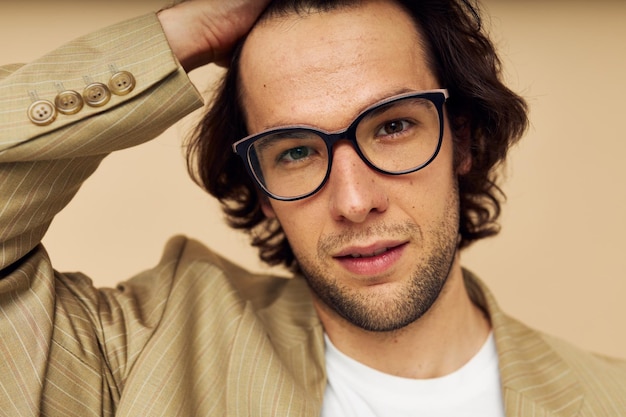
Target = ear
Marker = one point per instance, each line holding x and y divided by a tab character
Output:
462	143
465	163
267	208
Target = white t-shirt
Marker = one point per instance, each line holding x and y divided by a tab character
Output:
355	390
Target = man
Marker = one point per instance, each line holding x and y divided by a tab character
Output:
373	218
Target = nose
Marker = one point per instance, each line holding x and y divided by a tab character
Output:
355	189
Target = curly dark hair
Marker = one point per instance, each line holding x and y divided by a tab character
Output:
481	109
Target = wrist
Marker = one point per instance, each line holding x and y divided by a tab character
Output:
192	51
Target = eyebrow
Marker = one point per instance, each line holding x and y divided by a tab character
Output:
374	100
382	97
378	110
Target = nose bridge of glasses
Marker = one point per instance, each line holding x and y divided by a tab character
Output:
348	151
334	138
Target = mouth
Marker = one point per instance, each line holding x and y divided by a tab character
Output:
372	260
370	251
368	255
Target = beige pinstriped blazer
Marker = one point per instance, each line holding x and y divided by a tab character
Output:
196	335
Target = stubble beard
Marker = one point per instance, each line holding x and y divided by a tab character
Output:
407	303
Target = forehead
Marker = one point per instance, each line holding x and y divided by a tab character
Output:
322	68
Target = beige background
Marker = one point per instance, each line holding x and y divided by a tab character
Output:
559	261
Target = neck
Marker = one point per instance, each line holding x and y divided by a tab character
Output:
445	338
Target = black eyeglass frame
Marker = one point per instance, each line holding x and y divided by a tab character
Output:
242	147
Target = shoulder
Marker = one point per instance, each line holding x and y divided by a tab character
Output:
584	360
189	262
553	373
189	275
541	370
602	376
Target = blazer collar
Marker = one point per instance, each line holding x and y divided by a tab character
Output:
535	380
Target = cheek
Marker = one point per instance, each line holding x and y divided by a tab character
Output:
426	194
438	177
302	223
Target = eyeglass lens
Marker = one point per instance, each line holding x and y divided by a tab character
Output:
396	137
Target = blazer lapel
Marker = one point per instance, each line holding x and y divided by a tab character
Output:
277	362
536	382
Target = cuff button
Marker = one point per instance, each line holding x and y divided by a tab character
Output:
122	83
68	102
42	112
96	95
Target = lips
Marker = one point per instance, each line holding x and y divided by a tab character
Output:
369	255
368	251
372	260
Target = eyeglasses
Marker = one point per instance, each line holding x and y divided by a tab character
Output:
395	136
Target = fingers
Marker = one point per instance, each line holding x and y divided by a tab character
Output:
203	31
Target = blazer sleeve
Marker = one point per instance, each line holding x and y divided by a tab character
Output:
52	326
42	166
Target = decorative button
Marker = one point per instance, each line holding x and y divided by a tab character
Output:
68	102
122	83
42	112
96	94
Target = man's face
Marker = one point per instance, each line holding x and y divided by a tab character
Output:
376	249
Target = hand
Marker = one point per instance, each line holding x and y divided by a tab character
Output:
203	31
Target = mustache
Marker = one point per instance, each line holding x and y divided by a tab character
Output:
334	241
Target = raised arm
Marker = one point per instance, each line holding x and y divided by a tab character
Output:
63	113
59	117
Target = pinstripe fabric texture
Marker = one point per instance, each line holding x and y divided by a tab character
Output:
196	335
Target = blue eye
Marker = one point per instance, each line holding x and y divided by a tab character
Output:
295	154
